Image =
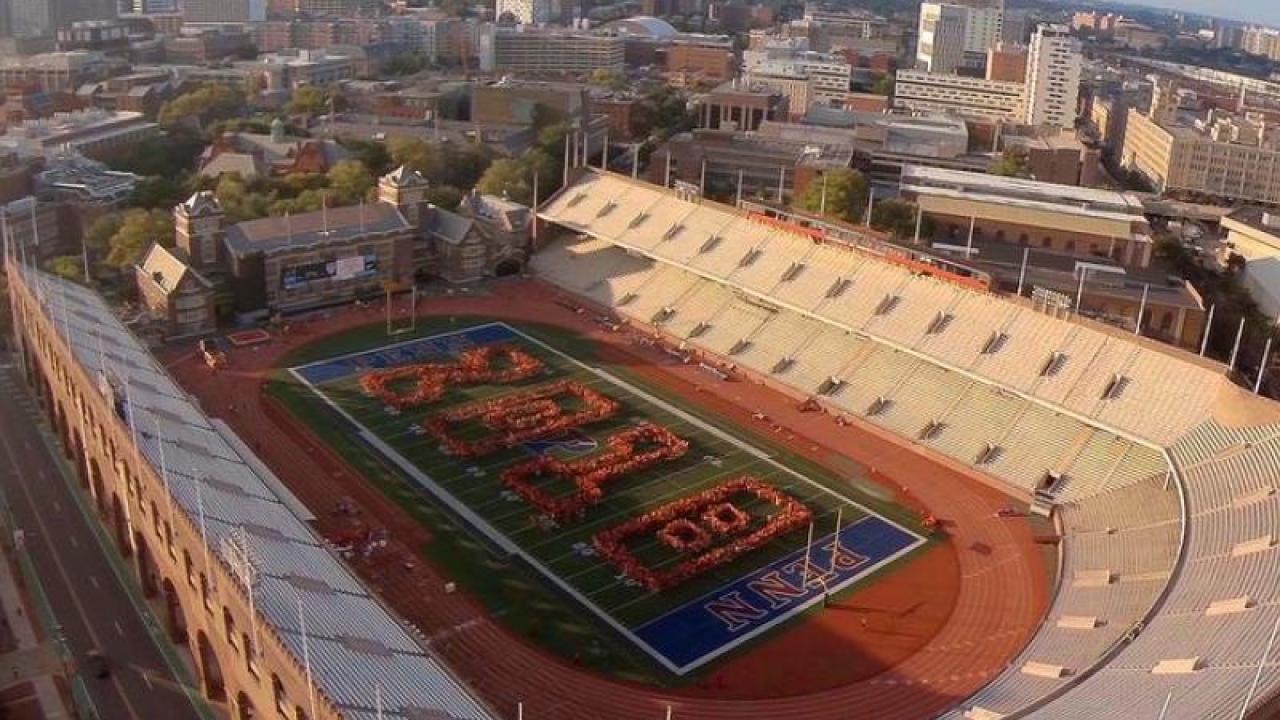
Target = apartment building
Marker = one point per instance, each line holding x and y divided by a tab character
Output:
1054	63
1218	154
549	50
970	97
955	35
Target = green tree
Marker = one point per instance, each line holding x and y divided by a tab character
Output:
169	155
846	195
410	152
157	192
98	235
507	178
605	77
884	86
898	218
68	267
312	100
372	153
350	181
139	229
1012	163
445	196
202	106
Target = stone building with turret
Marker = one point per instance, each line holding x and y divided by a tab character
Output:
335	255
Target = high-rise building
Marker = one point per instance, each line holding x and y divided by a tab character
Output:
940	39
527	12
1054	63
957	34
31	18
224	10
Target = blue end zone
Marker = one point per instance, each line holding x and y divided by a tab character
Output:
436	347
719	621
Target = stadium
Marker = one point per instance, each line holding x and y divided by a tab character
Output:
697	464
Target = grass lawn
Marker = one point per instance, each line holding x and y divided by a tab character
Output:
545	590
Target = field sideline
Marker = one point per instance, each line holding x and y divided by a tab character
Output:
661	624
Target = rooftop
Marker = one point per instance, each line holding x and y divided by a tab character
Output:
315	229
1028	193
352	640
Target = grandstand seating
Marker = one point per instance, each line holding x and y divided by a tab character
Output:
1153	568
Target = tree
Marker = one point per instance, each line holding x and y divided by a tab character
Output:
202	106
312	100
157	192
139	229
169	155
898	218
410	152
1012	163
605	77
67	267
846	195
507	178
350	182
884	86
239	201
372	153
98	236
445	196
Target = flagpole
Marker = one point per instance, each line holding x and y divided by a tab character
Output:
306	658
164	470
1022	271
1142	308
1262	369
871	197
635	161
1208	326
738	199
835	544
808	548
1235	349
534	229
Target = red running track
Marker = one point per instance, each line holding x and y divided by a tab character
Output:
1003	585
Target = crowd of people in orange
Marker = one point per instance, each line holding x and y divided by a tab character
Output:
695	524
627	452
520	417
490	364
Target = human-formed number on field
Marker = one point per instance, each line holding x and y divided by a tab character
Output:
413	385
519	417
709	528
626	452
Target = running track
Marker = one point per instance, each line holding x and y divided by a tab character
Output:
1003	592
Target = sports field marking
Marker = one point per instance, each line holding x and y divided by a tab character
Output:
681	639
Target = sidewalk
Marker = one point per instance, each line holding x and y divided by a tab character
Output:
18	619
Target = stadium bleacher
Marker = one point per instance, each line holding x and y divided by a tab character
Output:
1169	515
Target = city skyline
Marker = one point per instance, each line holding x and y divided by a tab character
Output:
1259	12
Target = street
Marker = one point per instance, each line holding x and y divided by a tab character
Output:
84	581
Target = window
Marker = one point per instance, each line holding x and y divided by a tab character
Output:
277	692
229	627
204	592
250	662
186	564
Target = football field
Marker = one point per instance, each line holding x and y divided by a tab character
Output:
685	538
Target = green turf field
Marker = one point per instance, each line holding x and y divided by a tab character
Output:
502	525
